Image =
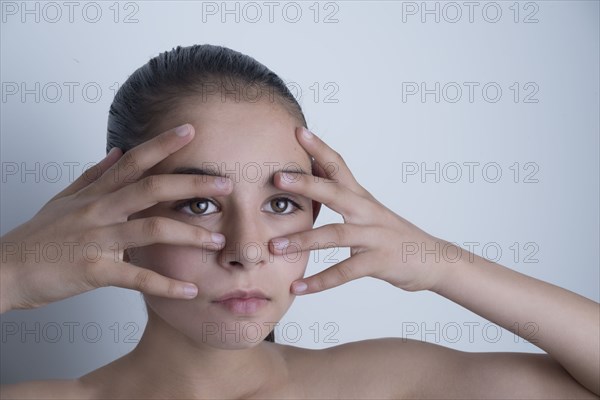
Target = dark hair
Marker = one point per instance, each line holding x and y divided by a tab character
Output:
162	84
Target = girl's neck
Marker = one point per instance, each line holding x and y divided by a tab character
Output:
166	363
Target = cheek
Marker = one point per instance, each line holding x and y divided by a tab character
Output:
178	262
295	261
285	271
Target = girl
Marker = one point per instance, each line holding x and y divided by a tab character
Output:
230	258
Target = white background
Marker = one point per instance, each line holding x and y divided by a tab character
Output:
362	56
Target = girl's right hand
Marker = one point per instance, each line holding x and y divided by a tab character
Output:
76	242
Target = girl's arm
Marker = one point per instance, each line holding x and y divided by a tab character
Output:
386	246
567	324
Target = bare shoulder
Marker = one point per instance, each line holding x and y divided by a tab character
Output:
372	368
89	386
406	368
49	389
386	367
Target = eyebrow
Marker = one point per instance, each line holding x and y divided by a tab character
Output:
213	172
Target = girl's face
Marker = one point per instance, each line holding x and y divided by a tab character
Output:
247	142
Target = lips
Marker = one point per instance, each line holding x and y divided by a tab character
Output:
242	294
243	302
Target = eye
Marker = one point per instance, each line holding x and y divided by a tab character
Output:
197	207
280	204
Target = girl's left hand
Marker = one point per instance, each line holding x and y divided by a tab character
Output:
382	244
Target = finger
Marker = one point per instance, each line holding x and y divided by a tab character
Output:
146	231
326	191
144	280
154	189
330	161
91	174
324	237
141	158
350	269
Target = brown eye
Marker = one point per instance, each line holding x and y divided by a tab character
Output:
283	206
198	207
279	205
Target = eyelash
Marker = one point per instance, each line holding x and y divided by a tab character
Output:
188	202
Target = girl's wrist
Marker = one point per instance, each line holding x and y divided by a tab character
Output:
454	268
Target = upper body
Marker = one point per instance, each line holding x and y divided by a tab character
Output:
213	250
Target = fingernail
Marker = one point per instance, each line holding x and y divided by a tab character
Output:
280	243
183	130
306	133
217	238
289	177
190	290
299	287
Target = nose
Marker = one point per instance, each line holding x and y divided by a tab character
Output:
245	247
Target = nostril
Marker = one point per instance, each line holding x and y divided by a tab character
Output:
246	253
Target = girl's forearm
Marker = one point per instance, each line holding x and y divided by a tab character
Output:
568	325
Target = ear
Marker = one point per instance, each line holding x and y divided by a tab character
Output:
316	206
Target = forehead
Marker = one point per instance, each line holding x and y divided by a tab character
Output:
236	136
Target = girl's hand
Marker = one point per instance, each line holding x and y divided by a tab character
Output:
76	242
382	244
